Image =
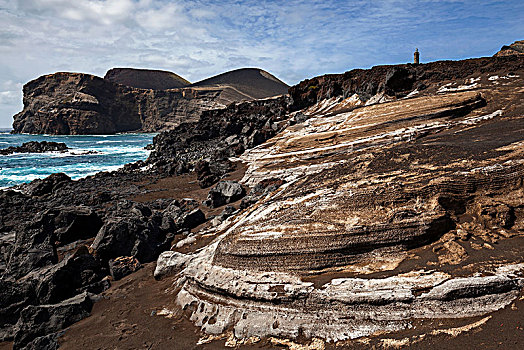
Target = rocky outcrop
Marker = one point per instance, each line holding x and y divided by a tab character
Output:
205	146
35	147
40	187
517	48
75	103
411	165
367	86
39	321
146	78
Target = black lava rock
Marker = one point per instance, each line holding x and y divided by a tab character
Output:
35	147
223	193
38	321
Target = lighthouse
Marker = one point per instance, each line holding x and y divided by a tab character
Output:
416	57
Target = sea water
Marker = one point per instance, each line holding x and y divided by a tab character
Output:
87	155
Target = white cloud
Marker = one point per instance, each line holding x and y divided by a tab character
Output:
294	40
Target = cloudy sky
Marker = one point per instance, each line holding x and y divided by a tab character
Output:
293	39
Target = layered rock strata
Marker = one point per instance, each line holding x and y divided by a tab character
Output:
364	189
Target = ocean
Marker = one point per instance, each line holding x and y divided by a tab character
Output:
88	154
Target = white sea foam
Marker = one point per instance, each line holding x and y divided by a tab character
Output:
87	155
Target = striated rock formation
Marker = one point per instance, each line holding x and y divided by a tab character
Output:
76	103
394	177
146	78
517	48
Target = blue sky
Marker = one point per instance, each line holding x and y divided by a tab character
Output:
293	39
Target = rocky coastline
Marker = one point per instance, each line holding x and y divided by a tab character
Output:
386	194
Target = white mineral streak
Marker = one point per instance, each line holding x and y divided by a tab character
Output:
342	309
272	160
448	88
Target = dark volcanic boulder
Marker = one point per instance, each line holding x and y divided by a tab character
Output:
184	215
40	187
35	147
38	321
76	273
204	174
74	223
131	230
224	192
47	342
34	246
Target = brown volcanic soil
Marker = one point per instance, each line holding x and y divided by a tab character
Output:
125	319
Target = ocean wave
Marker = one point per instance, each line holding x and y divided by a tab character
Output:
86	156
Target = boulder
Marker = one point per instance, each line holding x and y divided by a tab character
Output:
123	266
169	263
183	215
34	246
223	193
40	187
74	274
74	223
131	230
47	342
41	320
204	175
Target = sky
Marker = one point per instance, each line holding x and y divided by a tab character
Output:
293	39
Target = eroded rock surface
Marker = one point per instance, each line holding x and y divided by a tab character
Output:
370	184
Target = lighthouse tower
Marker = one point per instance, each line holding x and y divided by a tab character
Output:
416	57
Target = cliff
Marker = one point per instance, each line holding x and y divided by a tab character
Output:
77	103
